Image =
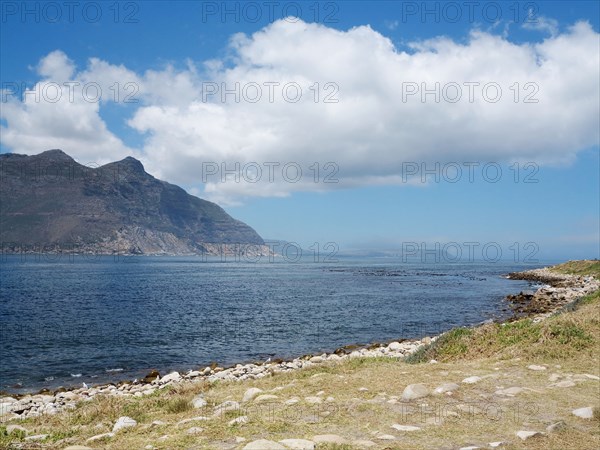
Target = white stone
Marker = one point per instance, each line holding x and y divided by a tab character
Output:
414	391
298	444
199	401
99	437
36	437
534	367
510	392
497	444
584	413
251	393
229	405
405	427
123	422
446	387
564	384
395	346
313	400
192	419
386	437
524	435
194	430
173	376
265	398
472	380
238	421
329	439
263	444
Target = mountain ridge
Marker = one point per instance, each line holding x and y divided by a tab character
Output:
49	200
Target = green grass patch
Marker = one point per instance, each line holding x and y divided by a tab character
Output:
583	268
452	344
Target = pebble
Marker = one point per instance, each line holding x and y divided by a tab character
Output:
251	393
298	444
584	413
564	384
265	398
497	444
510	392
414	391
173	376
472	380
238	421
263	444
405	427
386	437
199	401
446	387
524	435
229	405
192	419
535	367
36	437
123	422
100	437
329	439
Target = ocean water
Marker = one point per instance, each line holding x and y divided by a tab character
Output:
64	321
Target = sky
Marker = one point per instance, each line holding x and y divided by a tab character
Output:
369	126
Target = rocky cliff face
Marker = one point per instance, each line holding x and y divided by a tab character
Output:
50	202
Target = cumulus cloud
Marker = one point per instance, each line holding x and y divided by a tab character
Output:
527	102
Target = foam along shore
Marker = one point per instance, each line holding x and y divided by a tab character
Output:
559	291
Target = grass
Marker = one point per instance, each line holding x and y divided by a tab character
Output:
566	343
562	336
581	267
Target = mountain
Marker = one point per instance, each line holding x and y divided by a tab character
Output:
50	201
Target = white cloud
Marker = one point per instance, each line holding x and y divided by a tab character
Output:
543	24
369	133
56	66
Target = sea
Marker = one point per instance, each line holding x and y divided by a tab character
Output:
69	320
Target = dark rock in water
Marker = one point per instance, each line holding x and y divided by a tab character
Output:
52	204
153	375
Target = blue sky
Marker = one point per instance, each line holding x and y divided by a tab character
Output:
367	50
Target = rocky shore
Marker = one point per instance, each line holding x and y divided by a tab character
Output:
21	407
557	292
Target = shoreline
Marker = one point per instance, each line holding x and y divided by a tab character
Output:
557	292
